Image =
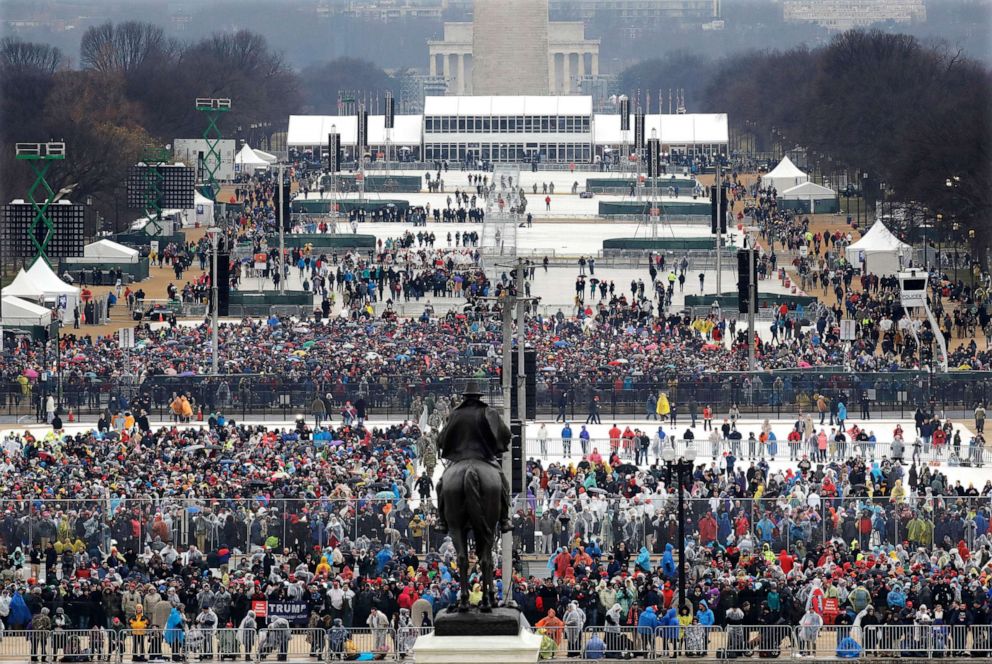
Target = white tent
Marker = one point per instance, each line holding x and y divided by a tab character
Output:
267	156
204	210
21	313
809	191
247	160
40	284
784	176
879	251
107	251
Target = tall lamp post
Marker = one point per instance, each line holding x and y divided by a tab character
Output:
214	233
677	467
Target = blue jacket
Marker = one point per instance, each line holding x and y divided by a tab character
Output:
723	528
596	648
643	561
668	562
705	614
647	622
671	624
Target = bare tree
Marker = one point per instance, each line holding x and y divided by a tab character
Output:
127	48
19	57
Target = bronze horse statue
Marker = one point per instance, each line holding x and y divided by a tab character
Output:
473	493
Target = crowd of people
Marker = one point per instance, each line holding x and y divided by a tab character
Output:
174	532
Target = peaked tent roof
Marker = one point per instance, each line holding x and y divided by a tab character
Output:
808	189
879	238
111	250
38	280
247	157
18	311
267	156
785	169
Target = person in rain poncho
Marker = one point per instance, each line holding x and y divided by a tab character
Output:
575	620
338	639
175	629
809	629
663	407
611	628
247	633
406	633
668	562
643	561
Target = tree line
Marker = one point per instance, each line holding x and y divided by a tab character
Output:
133	87
911	115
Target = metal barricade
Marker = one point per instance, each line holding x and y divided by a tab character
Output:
916	641
830	641
20	645
125	645
764	640
91	644
617	643
366	640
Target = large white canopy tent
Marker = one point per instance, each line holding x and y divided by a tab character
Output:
785	176
108	251
819	198
247	160
40	284
879	251
22	313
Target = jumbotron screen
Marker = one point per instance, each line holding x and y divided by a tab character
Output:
176	189
68	236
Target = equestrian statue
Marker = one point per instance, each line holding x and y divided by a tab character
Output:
473	494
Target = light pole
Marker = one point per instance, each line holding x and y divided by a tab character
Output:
214	233
677	466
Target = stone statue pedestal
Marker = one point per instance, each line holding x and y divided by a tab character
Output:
478	638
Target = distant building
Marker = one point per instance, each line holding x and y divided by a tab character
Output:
516	128
847	14
570	57
384	10
640	12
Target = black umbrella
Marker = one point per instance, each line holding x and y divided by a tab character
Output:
626	468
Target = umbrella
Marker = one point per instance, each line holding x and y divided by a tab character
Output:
300	353
385	495
309	344
30	373
372	356
562	344
193	509
402	357
626	468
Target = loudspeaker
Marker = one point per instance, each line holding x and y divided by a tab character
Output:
390	110
223	283
287	208
334	152
530	368
639	132
363	133
624	113
654	157
517	478
723	210
747	290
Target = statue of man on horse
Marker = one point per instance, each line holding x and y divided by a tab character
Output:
473	494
